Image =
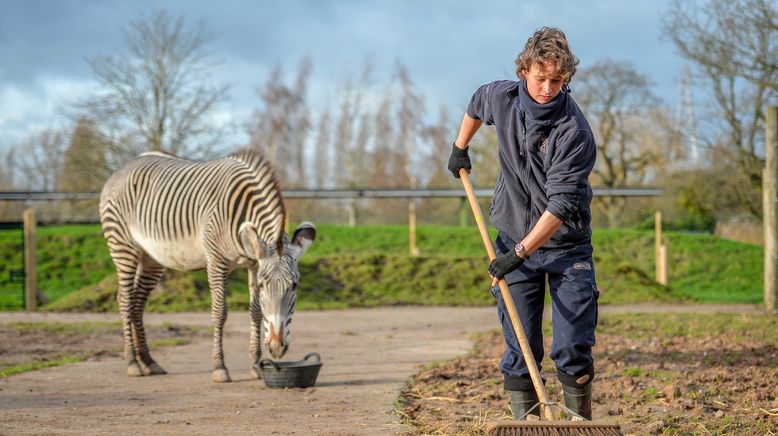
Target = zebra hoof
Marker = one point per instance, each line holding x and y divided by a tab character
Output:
255	373
133	370
153	369
220	376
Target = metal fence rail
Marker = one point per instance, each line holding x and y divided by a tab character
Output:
338	193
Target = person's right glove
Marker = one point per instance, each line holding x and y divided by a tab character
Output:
459	159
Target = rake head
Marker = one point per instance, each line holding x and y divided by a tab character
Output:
553	428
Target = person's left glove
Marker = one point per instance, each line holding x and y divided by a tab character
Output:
459	159
502	265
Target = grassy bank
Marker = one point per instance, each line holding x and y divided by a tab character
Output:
69	258
369	266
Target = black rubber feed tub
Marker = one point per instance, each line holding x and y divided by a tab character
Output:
299	374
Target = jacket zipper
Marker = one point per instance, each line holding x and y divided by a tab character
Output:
528	223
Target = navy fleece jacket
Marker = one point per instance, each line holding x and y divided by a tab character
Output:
546	153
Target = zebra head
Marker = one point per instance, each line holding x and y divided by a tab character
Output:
275	283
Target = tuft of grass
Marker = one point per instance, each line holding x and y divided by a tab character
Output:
168	342
32	366
633	372
66	328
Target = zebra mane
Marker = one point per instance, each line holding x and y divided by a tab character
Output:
160	153
255	160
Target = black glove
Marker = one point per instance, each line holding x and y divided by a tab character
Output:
502	265
458	159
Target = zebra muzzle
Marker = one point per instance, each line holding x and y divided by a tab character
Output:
275	341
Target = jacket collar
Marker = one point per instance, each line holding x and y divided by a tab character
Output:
549	114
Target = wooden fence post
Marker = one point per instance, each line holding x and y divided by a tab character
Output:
414	250
659	273
662	261
464	212
30	265
352	213
769	182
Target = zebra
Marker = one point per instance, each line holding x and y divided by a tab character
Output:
161	211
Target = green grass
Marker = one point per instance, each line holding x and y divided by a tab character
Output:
633	372
439	241
67	328
32	366
168	342
328	283
369	266
690	325
69	257
702	267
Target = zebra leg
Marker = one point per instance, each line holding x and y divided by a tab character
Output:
217	277
255	341
125	258
148	275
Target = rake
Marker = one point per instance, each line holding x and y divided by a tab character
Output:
550	426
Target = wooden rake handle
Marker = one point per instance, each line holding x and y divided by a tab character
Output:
506	296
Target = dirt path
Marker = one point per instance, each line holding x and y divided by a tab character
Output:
368	354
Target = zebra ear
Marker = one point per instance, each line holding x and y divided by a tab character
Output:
254	247
303	237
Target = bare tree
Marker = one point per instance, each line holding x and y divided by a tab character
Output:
410	115
301	122
350	138
380	157
84	167
624	114
348	107
281	126
158	94
434	173
361	144
7	164
39	160
734	47
322	155
8	210
438	136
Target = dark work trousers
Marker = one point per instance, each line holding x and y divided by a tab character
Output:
570	275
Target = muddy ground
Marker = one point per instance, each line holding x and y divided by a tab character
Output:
708	384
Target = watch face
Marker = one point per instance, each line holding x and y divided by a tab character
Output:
520	251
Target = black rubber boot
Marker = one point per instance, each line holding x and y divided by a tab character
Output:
579	399
522	402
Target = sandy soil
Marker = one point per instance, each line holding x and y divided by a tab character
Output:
368	355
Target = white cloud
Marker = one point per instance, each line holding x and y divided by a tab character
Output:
26	111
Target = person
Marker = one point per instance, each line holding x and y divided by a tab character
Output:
541	208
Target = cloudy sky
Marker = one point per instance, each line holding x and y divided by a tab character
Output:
449	47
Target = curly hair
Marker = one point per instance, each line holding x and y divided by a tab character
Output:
548	44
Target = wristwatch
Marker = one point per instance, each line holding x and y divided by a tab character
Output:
521	251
